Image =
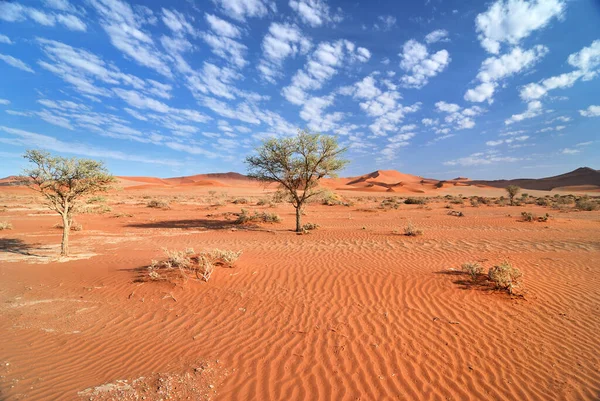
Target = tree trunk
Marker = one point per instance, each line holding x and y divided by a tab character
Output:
64	246
298	224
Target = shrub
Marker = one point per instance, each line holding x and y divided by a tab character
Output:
543	202
188	262
527	216
390	203
474	202
505	277
75	226
512	191
473	269
456	213
158	204
412	231
415	201
5	225
586	204
456	201
439	184
310	226
329	198
240	201
263	202
96	209
264	217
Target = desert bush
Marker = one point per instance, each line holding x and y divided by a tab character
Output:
5	225
456	201
120	214
456	213
412	231
530	217
264	217
240	201
329	198
439	184
543	202
586	204
96	199
415	201
188	262
512	191
263	202
310	226
390	203
474	202
505	277
96	209
473	269
158	204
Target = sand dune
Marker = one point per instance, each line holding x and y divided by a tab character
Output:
352	311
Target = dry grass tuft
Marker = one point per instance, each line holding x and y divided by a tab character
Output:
188	263
158	204
412	231
473	269
5	225
505	277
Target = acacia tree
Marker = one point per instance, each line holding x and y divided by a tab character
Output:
64	182
512	191
297	163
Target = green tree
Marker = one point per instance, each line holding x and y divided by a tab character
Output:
297	163
512	191
64	182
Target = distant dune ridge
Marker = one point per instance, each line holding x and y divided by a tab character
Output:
581	179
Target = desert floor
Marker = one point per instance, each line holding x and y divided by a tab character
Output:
353	311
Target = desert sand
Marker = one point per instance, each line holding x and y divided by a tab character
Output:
352	311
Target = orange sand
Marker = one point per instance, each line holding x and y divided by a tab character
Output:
353	311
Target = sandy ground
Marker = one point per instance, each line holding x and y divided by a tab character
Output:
353	311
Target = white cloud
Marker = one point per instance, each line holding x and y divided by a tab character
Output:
15	12
585	60
15	62
480	158
124	27
4	101
507	141
139	101
429	121
592	111
447	107
177	22
420	65
321	66
494	69
222	27
568	151
511	21
456	116
534	109
242	9
5	39
386	22
72	22
439	35
227	48
282	41
314	12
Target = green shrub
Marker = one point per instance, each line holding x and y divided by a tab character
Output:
96	199
415	201
586	204
390	203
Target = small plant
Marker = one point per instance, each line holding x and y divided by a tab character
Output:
390	203
240	201
415	201
456	213
75	226
188	262
474	202
158	204
473	269
96	199
225	257
264	217
5	225
439	184
412	231
544	218
310	226
505	277
527	216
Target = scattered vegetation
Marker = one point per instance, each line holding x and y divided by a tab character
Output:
188	263
530	217
310	227
412	231
456	213
586	204
240	201
158	204
5	225
390	203
473	269
439	184
96	199
261	217
73	227
505	277
329	198
415	201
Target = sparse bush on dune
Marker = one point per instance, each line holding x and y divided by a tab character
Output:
412	231
240	201
96	199
415	201
329	198
530	217
158	204
188	263
505	277
390	203
5	225
310	226
474	202
263	217
456	213
472	269
75	226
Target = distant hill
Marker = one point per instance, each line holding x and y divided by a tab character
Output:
585	177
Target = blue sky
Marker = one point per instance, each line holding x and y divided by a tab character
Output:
497	89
